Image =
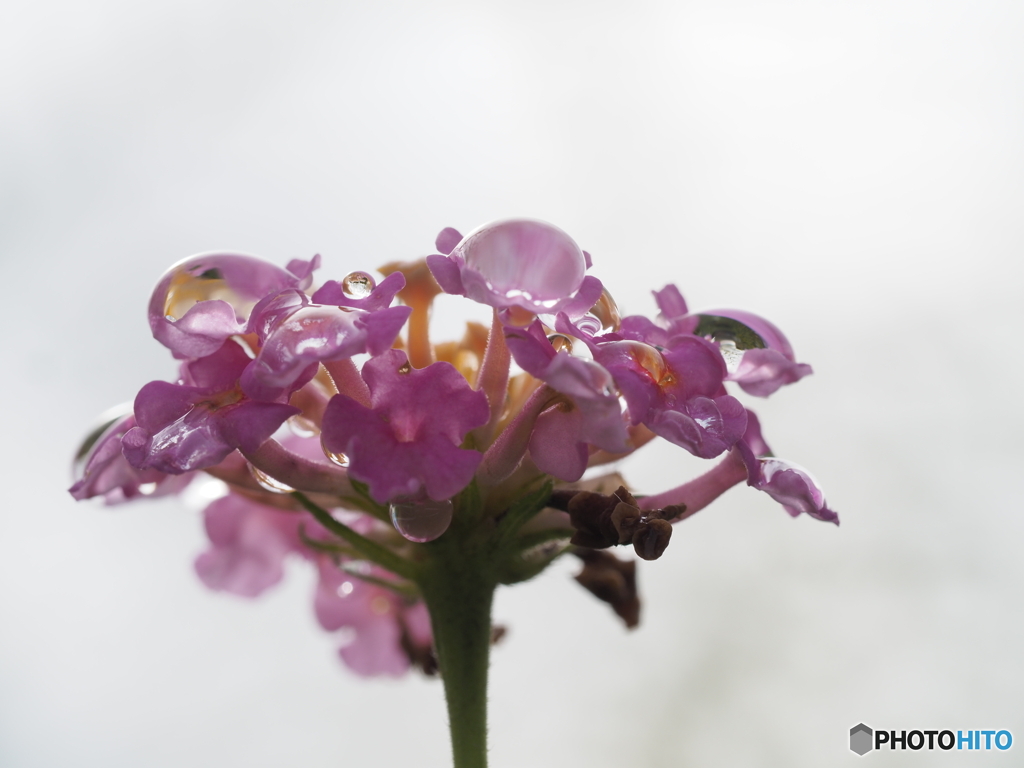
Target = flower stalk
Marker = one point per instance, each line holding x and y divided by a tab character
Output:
458	587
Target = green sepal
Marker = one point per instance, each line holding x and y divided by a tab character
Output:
521	511
533	552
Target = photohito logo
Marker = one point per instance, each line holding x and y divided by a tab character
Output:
863	739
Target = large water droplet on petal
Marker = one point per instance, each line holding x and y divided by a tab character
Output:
423	520
358	285
721	329
648	358
268	483
237	279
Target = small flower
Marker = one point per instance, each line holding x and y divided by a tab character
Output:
295	336
591	415
795	489
249	542
183	427
105	471
389	631
408	440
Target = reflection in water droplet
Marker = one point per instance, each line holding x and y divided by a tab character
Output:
303	427
338	458
147	488
589	324
607	312
732	355
421	521
358	285
268	483
561	342
345	589
648	358
405	368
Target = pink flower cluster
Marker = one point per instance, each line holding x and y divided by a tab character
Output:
395	427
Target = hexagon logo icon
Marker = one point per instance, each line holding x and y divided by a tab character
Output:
860	739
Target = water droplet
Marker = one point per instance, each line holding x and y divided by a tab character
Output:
561	342
358	285
345	589
733	355
607	312
338	458
648	358
589	324
405	367
720	329
147	488
303	427
268	483
235	278
422	520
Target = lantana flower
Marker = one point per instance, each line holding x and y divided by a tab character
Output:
415	476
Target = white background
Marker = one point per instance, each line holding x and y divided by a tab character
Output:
851	170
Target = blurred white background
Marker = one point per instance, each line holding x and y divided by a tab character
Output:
849	170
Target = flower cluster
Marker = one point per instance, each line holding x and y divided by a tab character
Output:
346	437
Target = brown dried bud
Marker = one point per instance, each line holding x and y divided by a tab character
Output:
625	518
613	581
603	521
652	538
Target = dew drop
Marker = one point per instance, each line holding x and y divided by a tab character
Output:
147	488
421	521
561	342
345	589
268	483
338	458
358	285
302	427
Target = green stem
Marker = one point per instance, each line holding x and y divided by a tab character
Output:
368	548
458	591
